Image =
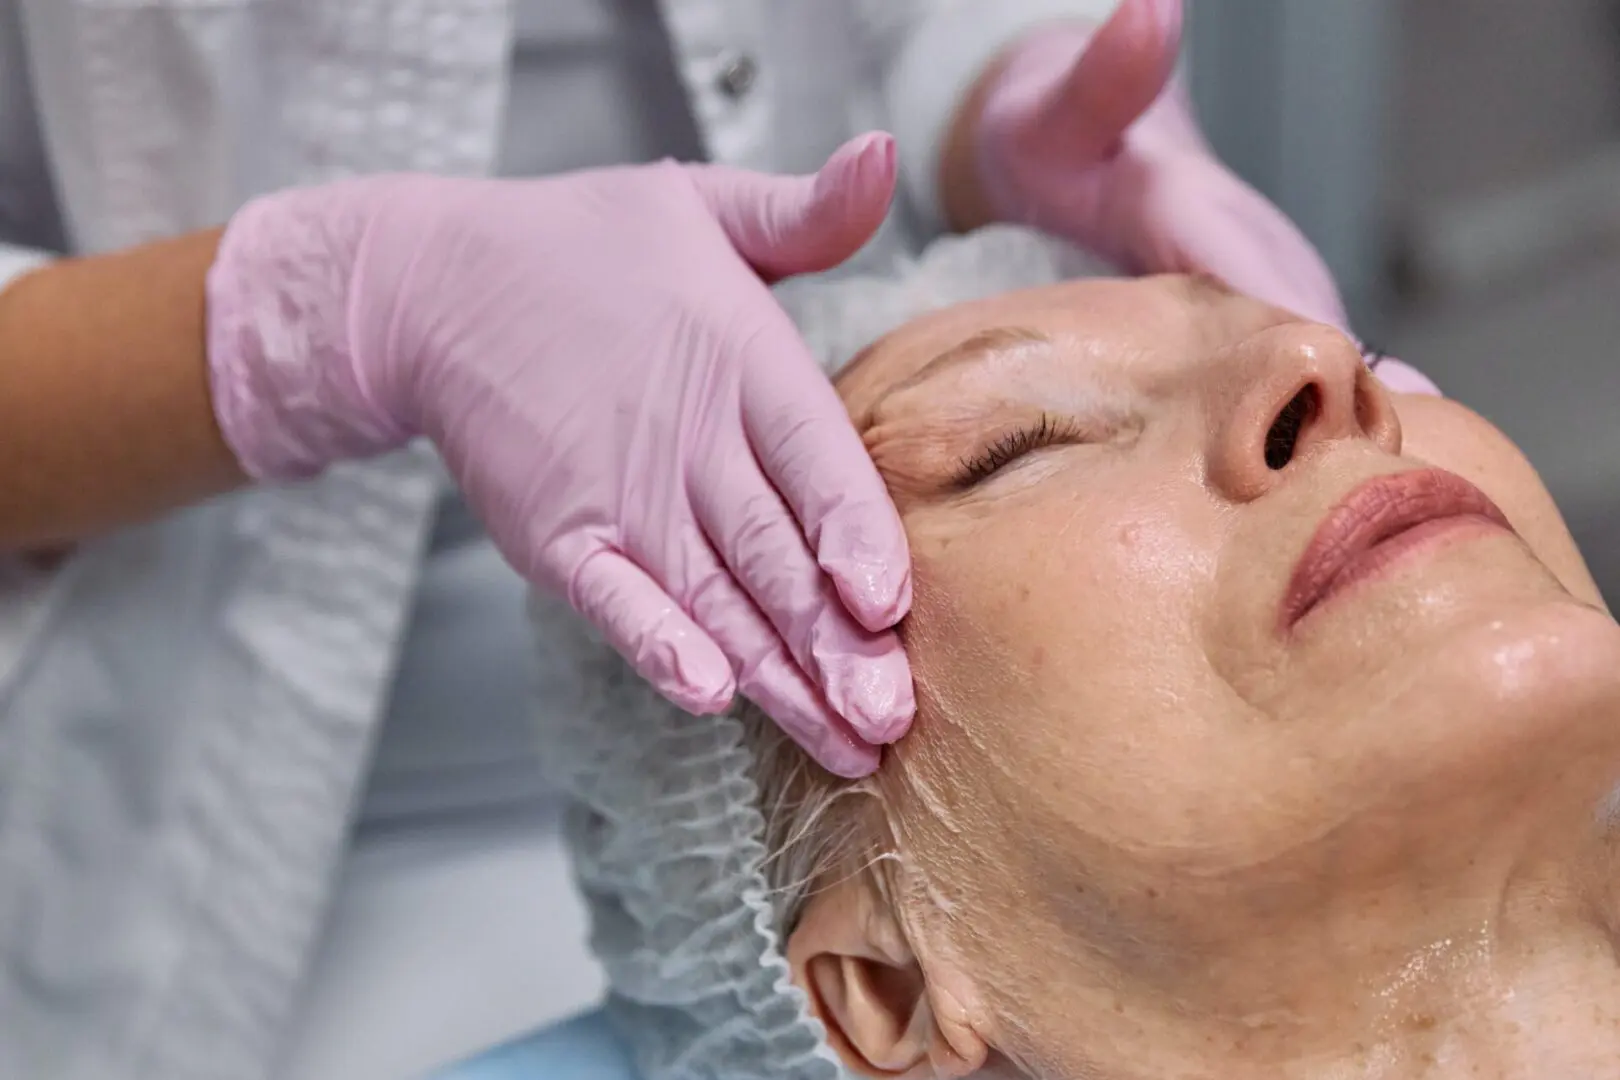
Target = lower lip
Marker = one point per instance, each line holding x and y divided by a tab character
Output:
1383	556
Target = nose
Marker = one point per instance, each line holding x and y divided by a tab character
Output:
1294	390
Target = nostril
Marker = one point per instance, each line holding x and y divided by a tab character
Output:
1283	436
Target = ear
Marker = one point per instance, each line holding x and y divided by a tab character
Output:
882	1015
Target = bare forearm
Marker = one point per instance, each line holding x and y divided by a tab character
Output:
105	414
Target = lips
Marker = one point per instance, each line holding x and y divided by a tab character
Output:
1375	525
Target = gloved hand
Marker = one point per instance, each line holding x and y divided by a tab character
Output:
629	412
1082	132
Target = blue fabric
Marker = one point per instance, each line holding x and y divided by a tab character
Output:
584	1049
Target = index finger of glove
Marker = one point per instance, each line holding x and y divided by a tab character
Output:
805	443
865	676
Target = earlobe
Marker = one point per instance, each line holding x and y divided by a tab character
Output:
960	1049
868	989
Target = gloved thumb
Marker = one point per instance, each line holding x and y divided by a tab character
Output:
785	225
1121	72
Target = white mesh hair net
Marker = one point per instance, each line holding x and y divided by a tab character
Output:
666	829
839	315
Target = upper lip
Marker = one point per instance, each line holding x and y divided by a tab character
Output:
1377	510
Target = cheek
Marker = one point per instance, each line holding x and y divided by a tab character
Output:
1071	736
1077	603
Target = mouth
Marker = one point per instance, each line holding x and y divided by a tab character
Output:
1379	524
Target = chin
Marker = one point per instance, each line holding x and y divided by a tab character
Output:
1536	655
1486	607
1492	736
1518	682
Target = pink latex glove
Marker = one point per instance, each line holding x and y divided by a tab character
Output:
630	413
1082	132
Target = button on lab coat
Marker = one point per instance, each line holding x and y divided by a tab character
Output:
186	709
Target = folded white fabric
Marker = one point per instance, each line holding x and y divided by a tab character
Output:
666	829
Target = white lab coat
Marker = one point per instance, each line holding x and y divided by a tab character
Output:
186	709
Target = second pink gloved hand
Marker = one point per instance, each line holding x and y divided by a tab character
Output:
634	418
1082	132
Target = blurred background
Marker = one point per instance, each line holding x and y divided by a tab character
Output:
1458	163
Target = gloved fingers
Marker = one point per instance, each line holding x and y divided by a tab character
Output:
864	676
803	440
1226	228
1122	71
1289	271
649	629
785	225
768	676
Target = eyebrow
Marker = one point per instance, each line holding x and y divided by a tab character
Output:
1200	289
976	349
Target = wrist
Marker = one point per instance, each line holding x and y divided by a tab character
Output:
962	196
293	391
980	159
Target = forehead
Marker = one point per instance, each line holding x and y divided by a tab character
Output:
1106	317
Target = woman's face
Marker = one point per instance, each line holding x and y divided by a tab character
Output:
1174	796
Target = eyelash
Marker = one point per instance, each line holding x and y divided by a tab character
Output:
1049	431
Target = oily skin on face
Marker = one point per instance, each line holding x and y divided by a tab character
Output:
1145	831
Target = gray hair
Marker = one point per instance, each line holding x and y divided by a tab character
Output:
808	834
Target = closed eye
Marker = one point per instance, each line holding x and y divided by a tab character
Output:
1048	431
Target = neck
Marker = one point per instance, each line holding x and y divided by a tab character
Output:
1506	999
1469	932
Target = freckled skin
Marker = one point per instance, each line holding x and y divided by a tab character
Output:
1164	839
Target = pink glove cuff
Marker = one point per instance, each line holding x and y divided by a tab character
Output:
287	393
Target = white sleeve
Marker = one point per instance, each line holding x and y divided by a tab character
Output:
939	49
17	261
